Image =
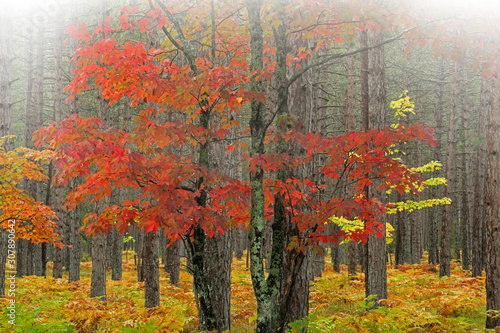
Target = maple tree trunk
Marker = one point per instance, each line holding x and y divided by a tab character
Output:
98	278
486	102
151	271
376	254
206	316
446	224
218	254
493	215
294	288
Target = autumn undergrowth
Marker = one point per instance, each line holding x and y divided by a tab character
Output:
418	302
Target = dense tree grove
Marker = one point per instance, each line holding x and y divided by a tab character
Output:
193	131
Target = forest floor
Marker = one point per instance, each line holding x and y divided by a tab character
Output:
418	302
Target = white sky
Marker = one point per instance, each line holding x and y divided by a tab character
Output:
486	8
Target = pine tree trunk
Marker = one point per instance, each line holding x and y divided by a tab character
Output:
172	262
351	126
486	103
116	258
57	252
399	258
446	224
493	215
433	246
75	241
3	251
266	290
376	258
335	253
5	121
140	255
239	242
466	121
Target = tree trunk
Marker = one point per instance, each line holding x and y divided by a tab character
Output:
399	257
57	252
151	272
5	121
446	224
465	216
239	242
173	261
486	103
98	278
116	258
3	258
493	216
218	252
351	126
376	267
30	267
21	257
140	255
266	290
75	241
335	253
433	246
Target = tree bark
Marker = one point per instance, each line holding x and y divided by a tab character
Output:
486	103
140	255
75	241
465	212
5	119
98	278
218	252
351	126
401	226
116	258
151	272
376	267
446	224
493	216
266	290
433	246
172	262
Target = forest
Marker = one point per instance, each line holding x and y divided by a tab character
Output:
249	166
